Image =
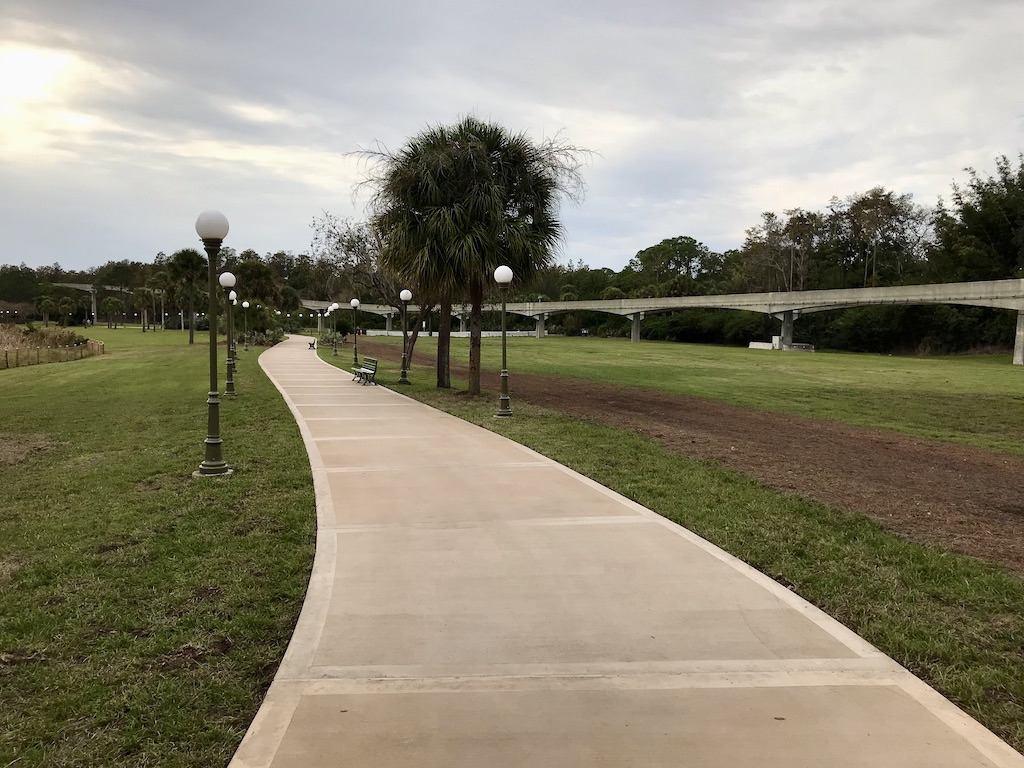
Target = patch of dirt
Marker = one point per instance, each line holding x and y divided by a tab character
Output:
191	655
8	567
966	499
18	448
21	656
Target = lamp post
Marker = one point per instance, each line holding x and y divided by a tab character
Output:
503	276
227	282
245	320
355	332
405	295
233	339
212	228
233	335
334	326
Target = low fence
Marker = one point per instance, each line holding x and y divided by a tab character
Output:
16	357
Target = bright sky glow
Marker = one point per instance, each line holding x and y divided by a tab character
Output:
120	122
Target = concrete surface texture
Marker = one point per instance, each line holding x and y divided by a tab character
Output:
472	603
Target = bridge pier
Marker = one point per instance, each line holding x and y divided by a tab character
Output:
387	323
462	323
635	333
539	329
787	328
1018	340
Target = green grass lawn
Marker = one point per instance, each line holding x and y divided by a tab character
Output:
956	622
974	400
144	611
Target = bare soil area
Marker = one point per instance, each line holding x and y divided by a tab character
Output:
966	499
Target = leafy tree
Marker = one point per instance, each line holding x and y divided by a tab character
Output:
188	268
981	236
256	281
671	258
611	292
458	201
18	284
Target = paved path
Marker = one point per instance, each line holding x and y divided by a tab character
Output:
475	605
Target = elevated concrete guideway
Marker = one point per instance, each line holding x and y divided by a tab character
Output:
475	605
785	306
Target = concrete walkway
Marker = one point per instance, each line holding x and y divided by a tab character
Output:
475	605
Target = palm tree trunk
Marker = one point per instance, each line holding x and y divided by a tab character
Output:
476	301
191	319
444	345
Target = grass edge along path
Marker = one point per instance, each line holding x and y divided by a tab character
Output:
955	622
144	611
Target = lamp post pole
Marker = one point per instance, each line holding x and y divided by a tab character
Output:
355	332
405	295
334	325
212	228
232	335
227	281
503	276
245	320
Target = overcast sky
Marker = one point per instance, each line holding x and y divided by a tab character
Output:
121	120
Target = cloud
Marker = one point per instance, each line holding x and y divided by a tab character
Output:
126	119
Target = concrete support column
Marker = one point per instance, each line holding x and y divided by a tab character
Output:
787	328
95	316
387	323
635	334
540	325
1018	340
319	322
462	323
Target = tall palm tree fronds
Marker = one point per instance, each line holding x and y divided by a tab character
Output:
188	268
458	201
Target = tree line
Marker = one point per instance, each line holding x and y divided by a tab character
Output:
458	200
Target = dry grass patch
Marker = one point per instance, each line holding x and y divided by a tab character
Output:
19	448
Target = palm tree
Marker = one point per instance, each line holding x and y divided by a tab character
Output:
158	283
111	306
188	269
458	201
143	298
46	306
65	305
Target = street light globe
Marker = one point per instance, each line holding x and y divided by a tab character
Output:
405	295
227	280
335	305
232	295
354	303
245	305
212	225
503	275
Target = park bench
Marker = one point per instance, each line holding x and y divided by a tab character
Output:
366	371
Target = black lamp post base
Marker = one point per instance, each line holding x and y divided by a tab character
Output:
204	471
